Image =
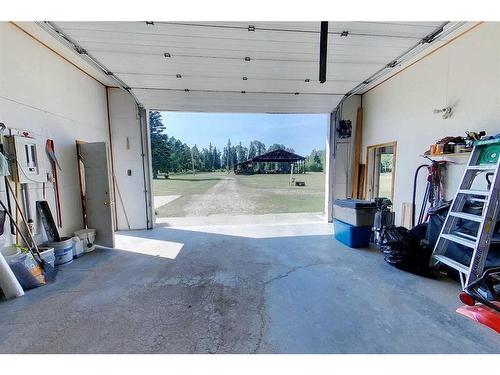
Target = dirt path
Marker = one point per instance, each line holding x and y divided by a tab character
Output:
226	197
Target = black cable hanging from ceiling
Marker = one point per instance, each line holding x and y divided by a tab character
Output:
323	51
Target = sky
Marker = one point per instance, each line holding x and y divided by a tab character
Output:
300	132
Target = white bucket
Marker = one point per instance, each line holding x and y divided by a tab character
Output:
11	253
47	254
63	251
87	236
77	247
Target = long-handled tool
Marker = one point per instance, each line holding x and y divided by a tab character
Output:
48	270
55	165
5	178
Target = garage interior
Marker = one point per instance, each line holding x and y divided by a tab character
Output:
265	285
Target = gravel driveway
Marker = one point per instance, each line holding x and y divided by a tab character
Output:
226	197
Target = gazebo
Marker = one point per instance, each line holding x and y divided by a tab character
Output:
275	156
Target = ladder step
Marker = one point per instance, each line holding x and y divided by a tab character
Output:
459	240
452	263
483	167
467	236
482	200
484	193
465	216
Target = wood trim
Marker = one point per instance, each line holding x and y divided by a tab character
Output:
57	53
357	152
81	180
423	57
378	145
112	159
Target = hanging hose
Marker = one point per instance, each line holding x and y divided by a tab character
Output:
414	206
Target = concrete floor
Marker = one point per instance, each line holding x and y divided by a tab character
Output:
261	287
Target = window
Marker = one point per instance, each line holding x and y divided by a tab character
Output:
381	160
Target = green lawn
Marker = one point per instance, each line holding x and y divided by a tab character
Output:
276	196
219	193
186	184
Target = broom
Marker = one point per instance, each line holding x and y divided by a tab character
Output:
49	271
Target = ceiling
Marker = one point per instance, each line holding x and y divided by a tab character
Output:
208	68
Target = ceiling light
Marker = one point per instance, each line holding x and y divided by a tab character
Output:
166	54
243	92
247	58
150	23
80	50
344	33
307	80
187	90
431	37
178	76
295	93
392	64
251	28
245	78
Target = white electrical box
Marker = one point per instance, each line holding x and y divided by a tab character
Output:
28	161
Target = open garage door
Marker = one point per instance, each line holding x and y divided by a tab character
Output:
256	67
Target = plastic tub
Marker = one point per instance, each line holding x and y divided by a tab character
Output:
351	235
87	236
63	251
12	254
355	211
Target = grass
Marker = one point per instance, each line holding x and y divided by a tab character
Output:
186	184
263	193
278	197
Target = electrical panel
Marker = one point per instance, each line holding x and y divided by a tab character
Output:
345	129
27	159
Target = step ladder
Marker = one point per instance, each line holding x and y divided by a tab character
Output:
478	244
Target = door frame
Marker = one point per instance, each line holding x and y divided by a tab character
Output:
370	149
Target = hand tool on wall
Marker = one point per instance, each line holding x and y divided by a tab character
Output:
48	221
55	166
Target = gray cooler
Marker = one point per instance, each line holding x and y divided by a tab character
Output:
355	212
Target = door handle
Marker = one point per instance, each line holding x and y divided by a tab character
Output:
108	203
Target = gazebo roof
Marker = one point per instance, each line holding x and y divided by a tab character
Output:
275	156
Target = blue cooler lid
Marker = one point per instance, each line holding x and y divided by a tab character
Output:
354	203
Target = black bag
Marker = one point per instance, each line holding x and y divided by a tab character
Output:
406	250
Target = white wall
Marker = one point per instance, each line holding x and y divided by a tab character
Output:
41	92
125	125
464	74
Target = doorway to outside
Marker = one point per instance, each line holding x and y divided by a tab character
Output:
206	166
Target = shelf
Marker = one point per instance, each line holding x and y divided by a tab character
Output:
444	156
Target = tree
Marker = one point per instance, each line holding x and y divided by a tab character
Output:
229	162
216	158
160	152
259	148
315	161
195	154
241	153
252	151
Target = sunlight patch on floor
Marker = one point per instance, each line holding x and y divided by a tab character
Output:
147	246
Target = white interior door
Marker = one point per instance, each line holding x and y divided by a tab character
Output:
98	201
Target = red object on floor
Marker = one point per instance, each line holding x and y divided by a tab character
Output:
482	314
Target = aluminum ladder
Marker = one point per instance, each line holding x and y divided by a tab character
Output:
480	243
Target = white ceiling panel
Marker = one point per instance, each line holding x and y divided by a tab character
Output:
208	60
